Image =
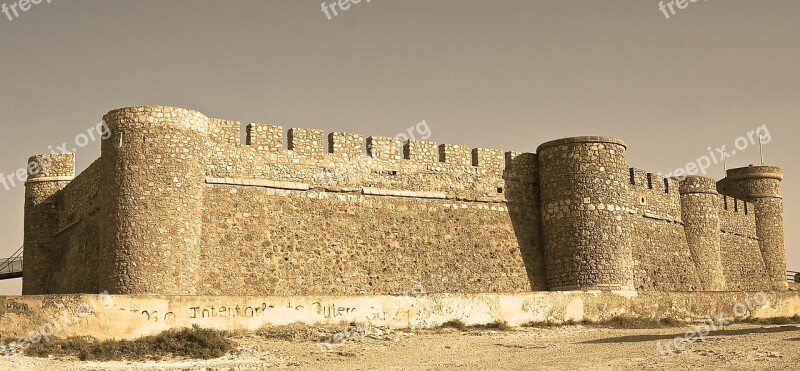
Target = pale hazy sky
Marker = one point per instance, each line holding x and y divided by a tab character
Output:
495	74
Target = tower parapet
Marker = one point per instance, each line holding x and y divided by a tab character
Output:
586	213
47	175
761	186
154	163
699	212
176	205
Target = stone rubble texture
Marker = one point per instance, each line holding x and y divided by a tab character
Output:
176	205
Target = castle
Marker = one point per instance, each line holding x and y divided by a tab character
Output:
176	205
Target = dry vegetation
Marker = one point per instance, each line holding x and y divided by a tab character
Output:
194	343
203	344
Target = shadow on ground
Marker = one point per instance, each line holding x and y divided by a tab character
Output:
746	331
795	339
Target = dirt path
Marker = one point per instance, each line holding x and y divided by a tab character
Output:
737	347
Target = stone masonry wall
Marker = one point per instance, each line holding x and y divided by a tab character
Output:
587	214
76	244
760	185
176	205
154	174
661	255
282	242
309	221
48	174
701	217
741	256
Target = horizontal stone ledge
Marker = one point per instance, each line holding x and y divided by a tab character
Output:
259	183
68	226
725	231
397	193
51	179
649	215
764	195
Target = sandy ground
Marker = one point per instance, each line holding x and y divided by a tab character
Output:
737	347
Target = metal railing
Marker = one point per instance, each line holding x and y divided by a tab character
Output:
793	276
11	267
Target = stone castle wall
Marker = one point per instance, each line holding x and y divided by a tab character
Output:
662	258
176	205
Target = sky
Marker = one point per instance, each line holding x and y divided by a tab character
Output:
492	74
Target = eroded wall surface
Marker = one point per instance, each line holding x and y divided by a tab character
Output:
127	317
371	219
177	205
662	258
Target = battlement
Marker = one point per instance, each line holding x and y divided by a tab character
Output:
737	217
642	179
758	172
735	205
51	166
262	137
698	184
224	131
176	195
308	144
141	116
592	139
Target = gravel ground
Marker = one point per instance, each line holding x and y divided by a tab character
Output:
737	347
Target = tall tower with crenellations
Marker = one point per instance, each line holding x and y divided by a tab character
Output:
700	214
154	162
761	186
48	174
586	214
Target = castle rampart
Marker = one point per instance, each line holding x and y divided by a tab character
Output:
48	174
586	214
154	163
177	205
662	258
761	186
701	219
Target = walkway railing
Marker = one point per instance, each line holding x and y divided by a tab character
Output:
11	267
793	276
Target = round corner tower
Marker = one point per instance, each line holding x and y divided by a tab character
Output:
47	175
586	214
700	215
761	186
154	166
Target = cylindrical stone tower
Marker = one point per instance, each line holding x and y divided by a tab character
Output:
47	174
154	167
761	186
700	215
586	214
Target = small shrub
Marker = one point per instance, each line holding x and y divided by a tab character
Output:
772	321
669	322
615	322
548	324
194	343
455	324
497	326
304	332
636	323
460	326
